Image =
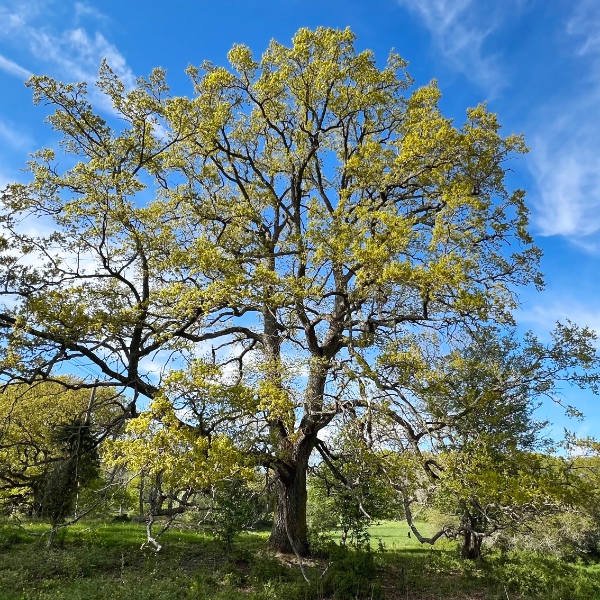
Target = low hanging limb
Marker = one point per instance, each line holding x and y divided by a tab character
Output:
326	455
409	519
171	515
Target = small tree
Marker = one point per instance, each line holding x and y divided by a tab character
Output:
176	462
77	465
349	485
48	445
488	461
236	508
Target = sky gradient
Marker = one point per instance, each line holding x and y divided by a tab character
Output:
536	63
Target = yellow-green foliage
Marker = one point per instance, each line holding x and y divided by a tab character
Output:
30	416
284	184
157	442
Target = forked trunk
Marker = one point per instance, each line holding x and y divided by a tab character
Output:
471	548
289	533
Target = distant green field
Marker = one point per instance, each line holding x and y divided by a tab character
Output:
394	534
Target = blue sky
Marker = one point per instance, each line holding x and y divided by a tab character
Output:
536	63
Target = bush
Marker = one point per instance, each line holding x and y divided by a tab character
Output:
236	510
321	545
547	577
353	574
566	535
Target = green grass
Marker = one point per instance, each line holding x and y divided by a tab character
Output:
99	561
394	534
105	561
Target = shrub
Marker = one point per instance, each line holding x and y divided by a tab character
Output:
353	574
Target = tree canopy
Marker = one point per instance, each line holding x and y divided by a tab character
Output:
250	255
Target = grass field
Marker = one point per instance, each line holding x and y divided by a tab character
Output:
394	535
97	561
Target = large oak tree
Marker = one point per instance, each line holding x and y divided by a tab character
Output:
283	221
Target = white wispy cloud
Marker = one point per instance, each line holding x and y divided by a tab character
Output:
565	157
12	18
565	163
459	29
77	54
13	68
71	53
83	10
542	317
15	138
585	23
565	137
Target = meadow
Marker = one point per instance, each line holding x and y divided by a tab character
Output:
99	560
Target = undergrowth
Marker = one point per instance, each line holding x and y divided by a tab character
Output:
98	561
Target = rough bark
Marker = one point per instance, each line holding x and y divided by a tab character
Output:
289	533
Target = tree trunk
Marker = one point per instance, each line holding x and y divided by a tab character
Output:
289	533
141	495
471	548
472	538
